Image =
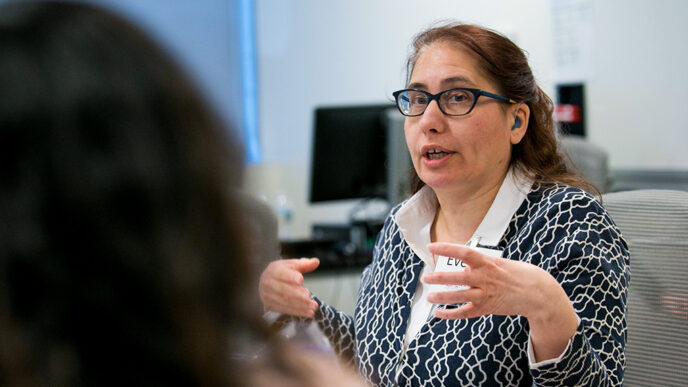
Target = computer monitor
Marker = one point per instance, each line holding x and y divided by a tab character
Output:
356	153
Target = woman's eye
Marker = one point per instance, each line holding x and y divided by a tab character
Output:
420	100
458	97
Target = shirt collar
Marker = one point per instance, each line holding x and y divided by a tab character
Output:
416	215
511	194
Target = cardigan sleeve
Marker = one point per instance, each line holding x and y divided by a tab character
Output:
338	327
591	264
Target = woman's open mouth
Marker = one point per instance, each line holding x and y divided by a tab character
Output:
435	153
435	156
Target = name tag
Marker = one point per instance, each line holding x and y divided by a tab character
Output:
449	264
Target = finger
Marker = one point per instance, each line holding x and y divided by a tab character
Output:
284	271
292	293
463	312
455	296
283	290
449	278
294	302
466	254
302	312
304	265
294	310
289	299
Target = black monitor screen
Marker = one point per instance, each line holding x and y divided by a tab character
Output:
349	153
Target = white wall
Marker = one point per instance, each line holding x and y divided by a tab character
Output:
637	97
313	52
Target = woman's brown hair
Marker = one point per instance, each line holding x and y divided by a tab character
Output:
123	256
506	65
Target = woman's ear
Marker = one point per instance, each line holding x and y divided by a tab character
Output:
520	125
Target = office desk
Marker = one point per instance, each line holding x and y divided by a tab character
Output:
333	255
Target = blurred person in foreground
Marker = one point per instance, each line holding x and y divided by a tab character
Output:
123	257
537	271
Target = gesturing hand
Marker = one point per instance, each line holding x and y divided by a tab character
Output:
281	287
497	285
506	287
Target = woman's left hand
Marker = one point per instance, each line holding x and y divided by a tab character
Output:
497	285
506	287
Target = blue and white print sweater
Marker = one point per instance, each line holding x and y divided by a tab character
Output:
561	229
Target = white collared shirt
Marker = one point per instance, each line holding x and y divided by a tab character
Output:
415	219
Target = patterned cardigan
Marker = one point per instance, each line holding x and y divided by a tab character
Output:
559	228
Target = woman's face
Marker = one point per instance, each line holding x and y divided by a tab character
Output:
476	147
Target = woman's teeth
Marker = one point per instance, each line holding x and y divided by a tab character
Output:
435	154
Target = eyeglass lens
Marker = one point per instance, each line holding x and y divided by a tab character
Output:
455	102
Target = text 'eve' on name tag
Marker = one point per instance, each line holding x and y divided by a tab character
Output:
449	264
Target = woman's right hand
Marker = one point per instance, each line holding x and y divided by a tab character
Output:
281	287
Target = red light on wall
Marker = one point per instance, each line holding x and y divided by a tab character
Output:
568	113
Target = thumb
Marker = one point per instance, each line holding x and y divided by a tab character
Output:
305	265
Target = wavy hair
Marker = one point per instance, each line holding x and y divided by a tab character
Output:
505	64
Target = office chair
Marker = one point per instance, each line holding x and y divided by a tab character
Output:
655	226
588	159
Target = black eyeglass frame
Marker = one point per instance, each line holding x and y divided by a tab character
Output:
436	97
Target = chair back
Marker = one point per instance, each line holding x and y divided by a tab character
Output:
588	159
654	223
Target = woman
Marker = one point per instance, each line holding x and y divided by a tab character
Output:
544	291
122	249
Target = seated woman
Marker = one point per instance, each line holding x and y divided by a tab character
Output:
543	281
123	256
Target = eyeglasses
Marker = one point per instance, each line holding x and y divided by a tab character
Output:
452	102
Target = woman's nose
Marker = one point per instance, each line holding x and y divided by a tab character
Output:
432	120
